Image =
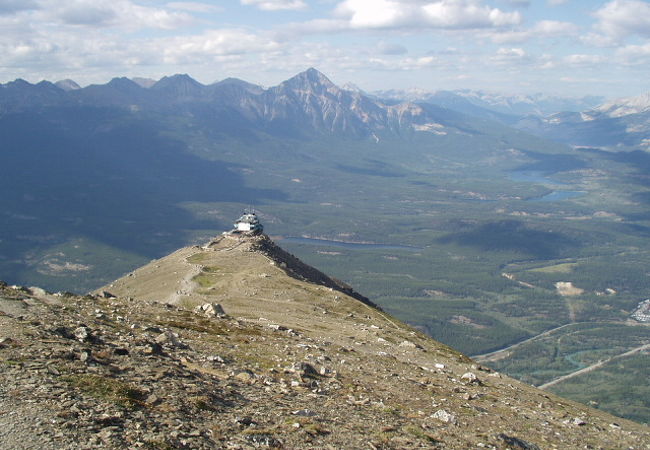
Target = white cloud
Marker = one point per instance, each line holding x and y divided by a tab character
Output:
196	7
224	42
508	56
634	55
542	29
621	18
118	13
274	5
86	13
582	60
443	14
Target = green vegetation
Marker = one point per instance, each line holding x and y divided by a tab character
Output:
107	389
609	388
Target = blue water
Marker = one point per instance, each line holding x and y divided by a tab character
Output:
328	243
541	178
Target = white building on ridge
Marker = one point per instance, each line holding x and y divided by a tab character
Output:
249	223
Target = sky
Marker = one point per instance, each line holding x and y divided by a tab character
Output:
555	47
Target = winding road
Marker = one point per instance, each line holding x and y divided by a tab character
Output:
595	366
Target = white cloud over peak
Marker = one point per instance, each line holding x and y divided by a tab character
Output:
443	14
634	55
222	42
274	5
621	18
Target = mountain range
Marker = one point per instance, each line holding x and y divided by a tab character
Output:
308	102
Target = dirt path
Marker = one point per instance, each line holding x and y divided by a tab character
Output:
187	285
598	365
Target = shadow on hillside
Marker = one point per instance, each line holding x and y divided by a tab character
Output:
512	235
105	175
552	163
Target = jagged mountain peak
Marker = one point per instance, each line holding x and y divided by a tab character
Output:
122	82
179	79
67	85
310	79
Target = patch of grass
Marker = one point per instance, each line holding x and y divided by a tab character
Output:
557	268
421	434
201	402
315	429
204	280
107	389
197	258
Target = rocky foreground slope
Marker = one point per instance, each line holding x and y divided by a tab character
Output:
294	360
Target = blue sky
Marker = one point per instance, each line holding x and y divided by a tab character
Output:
558	47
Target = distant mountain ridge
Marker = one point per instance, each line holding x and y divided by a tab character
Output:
497	105
306	103
621	124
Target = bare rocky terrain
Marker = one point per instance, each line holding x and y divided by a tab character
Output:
238	344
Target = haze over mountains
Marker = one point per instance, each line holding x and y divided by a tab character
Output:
308	102
311	103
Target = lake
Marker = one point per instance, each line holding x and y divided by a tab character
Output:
541	178
354	245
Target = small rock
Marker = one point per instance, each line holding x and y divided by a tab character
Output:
305	370
407	344
106	294
7	342
444	416
578	421
245	376
470	377
210	310
516	442
264	439
304	413
245	421
82	334
85	356
152	348
169	338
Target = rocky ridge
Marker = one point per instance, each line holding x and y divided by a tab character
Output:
235	345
